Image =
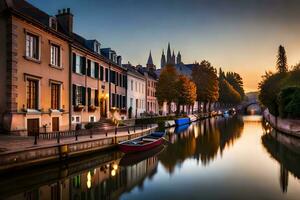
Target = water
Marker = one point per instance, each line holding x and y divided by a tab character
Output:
235	158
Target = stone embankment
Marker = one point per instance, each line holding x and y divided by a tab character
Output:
22	152
288	126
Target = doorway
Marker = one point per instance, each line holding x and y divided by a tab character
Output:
33	126
55	124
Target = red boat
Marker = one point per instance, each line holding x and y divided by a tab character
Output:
143	143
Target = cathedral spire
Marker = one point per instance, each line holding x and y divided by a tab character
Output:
169	56
179	58
173	58
150	60
163	59
150	64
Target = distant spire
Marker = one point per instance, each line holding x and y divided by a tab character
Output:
169	56
173	58
163	59
179	58
150	60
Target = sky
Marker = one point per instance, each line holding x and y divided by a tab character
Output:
237	35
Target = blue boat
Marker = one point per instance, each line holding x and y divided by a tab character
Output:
182	121
180	129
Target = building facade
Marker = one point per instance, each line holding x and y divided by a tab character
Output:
36	69
55	78
136	92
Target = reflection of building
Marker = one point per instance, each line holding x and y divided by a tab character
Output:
107	180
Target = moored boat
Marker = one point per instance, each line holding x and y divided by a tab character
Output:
143	143
182	121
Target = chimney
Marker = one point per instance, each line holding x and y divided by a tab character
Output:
65	20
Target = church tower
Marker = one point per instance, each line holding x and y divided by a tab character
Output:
163	59
173	58
150	64
169	56
179	58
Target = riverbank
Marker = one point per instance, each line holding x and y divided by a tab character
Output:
20	152
288	126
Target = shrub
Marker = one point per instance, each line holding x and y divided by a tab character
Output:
284	98
293	108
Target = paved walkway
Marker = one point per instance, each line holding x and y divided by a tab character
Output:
9	143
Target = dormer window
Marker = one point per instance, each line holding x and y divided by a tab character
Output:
97	47
53	23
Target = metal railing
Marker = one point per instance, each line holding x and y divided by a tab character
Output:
113	131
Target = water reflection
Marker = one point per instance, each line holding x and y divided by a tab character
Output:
286	151
201	141
233	158
102	178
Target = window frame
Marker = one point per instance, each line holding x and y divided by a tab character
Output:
26	53
53	44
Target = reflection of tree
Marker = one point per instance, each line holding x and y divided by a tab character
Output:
284	178
287	156
214	134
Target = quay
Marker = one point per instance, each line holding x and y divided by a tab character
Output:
19	152
287	126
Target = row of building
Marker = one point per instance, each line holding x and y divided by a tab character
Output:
53	78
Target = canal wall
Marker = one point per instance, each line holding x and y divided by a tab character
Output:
55	152
288	126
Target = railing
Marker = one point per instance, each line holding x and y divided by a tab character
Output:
89	132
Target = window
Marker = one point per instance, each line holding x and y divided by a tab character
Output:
32	46
53	23
78	95
92	118
113	99
131	102
76	119
124	101
32	94
77	64
106	74
55	55
131	85
93	71
55	96
101	73
136	86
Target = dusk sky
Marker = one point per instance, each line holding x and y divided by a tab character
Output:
237	35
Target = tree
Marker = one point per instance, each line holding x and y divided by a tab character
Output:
166	86
227	93
205	77
236	81
187	91
281	63
269	88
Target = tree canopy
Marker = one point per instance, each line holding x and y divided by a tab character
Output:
166	87
187	91
205	77
236	81
281	63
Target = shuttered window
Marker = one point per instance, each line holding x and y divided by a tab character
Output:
55	96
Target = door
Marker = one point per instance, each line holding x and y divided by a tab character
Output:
55	124
103	108
33	127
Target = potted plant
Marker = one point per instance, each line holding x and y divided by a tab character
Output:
92	108
78	108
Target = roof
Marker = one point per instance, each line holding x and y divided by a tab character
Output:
133	70
150	60
27	10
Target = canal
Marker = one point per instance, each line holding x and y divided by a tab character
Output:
233	158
